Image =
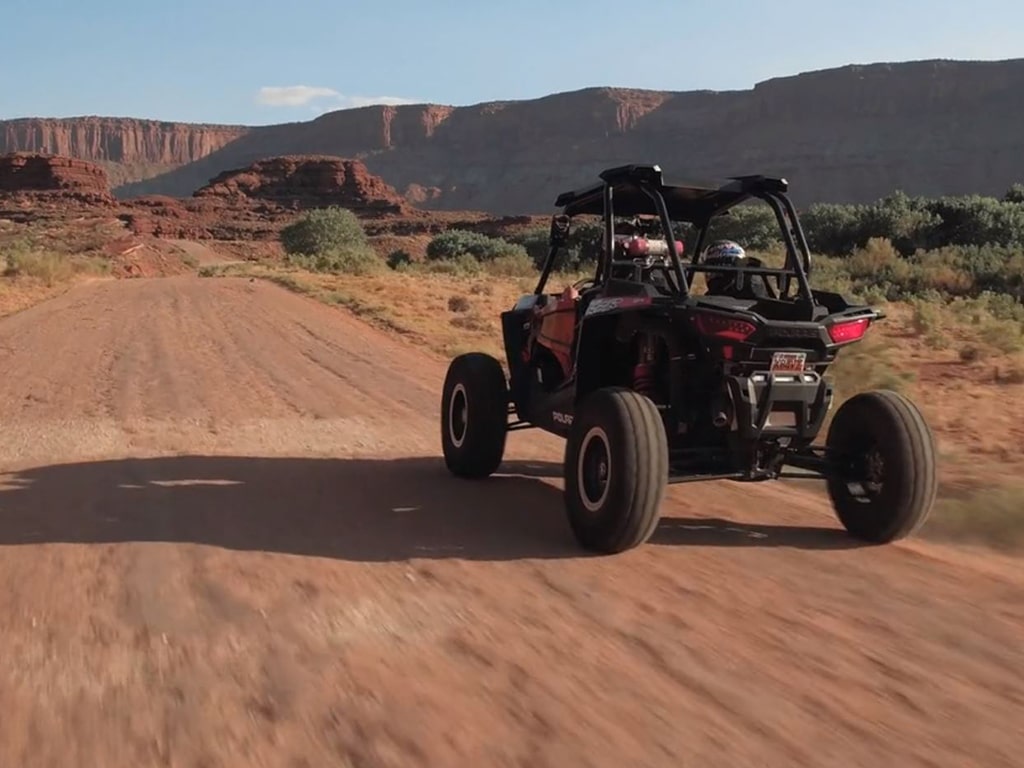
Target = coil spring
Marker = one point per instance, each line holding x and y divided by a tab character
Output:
643	379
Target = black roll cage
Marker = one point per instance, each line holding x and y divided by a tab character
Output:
632	190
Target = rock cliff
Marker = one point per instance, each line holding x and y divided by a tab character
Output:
850	134
30	174
129	149
297	181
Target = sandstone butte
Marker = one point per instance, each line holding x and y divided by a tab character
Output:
298	181
62	177
249	203
851	134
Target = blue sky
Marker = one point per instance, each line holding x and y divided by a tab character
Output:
221	60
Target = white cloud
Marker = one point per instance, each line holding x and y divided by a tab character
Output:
292	95
302	95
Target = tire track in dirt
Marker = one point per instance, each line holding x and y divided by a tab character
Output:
226	537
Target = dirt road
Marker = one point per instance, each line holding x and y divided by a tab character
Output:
202	254
226	538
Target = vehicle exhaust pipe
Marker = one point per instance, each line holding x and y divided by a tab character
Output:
722	408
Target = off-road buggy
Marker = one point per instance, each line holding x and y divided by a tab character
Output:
653	384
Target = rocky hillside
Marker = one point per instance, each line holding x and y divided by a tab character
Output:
845	135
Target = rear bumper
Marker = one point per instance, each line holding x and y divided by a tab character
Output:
778	404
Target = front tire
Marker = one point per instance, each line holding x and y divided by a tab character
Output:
886	479
616	470
474	415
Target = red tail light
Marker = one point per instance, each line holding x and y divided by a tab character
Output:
724	327
851	330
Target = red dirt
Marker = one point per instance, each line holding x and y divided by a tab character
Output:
227	538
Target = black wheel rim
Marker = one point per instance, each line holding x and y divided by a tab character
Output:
865	477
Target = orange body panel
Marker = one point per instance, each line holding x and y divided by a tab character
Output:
556	328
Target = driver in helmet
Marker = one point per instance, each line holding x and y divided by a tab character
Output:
738	284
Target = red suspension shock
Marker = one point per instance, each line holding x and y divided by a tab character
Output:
643	371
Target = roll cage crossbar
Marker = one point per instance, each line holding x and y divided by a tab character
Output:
639	190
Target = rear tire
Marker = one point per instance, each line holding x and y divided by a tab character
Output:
474	415
616	470
887	480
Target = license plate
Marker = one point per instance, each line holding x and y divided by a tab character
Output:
788	362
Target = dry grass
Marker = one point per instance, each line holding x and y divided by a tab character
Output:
51	268
30	274
992	516
84	235
445	313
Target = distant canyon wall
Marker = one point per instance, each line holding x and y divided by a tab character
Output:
128	148
851	134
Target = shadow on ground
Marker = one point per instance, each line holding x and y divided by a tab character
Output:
354	509
716	532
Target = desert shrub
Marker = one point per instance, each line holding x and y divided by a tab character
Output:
51	268
343	261
831	229
461	266
918	223
330	240
23	259
482	289
877	261
970	353
454	243
752	225
1004	335
579	254
324	230
878	269
1001	306
936	340
926	317
512	265
399	259
535	243
1015	194
459	304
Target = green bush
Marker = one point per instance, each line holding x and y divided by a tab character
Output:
535	242
752	225
323	230
399	259
454	243
918	223
330	240
1015	194
579	254
894	249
